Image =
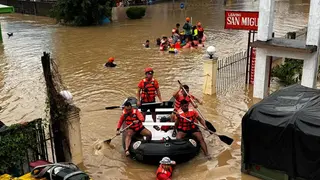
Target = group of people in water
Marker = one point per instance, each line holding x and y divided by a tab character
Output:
192	36
148	89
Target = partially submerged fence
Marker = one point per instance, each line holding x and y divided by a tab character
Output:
64	115
231	72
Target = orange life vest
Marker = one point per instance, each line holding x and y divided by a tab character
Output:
177	45
179	99
161	170
149	91
129	118
184	124
200	32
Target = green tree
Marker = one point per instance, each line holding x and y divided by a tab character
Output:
290	72
81	12
136	12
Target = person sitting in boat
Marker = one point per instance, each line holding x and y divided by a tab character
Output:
164	171
170	41
194	33
164	44
179	96
147	44
132	116
148	89
110	62
200	31
158	41
175	36
178	29
185	127
183	40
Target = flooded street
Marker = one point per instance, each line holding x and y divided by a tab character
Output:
81	54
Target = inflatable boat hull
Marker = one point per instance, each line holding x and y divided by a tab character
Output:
162	143
152	152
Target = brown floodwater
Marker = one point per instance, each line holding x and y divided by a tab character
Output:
81	53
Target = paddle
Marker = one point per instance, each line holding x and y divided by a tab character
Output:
208	124
121	131
223	138
112	107
145	104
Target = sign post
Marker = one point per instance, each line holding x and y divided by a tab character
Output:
181	5
244	20
241	20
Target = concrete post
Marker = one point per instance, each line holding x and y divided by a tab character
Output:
265	23
74	133
313	35
261	74
310	71
210	68
114	14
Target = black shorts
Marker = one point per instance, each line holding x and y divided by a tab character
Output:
145	108
139	131
190	131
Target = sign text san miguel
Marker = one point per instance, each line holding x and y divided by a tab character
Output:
241	20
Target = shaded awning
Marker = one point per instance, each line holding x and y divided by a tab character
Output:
6	9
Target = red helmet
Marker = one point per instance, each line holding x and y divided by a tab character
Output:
111	59
148	69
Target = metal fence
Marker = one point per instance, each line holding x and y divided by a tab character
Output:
231	72
40	147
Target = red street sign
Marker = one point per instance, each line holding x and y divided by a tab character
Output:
241	20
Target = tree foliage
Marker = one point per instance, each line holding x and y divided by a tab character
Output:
290	72
81	12
15	144
136	12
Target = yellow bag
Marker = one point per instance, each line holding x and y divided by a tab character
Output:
5	177
29	177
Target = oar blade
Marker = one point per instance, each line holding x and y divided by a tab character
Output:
210	127
226	139
107	141
112	107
